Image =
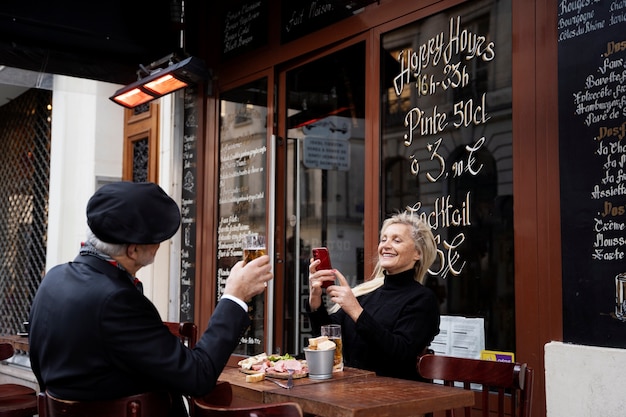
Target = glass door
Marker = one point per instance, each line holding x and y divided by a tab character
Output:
243	187
323	183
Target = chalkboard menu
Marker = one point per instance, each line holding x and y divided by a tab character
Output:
188	206
245	27
592	127
242	191
301	17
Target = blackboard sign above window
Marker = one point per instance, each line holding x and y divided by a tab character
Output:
245	26
301	17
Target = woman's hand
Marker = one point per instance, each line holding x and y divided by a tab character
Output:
342	294
316	279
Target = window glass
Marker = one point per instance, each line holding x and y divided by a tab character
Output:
242	191
325	176
446	148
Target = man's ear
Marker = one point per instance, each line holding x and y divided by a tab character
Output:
131	250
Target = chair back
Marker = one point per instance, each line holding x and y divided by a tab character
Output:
19	406
6	351
219	403
510	383
15	400
220	396
186	331
261	410
150	404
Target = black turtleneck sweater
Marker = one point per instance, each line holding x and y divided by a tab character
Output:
399	320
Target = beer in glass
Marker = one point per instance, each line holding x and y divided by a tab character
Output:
253	246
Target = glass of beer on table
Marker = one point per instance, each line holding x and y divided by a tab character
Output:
333	332
253	246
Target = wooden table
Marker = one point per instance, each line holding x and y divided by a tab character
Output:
373	396
353	393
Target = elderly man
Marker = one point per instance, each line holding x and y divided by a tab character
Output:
95	336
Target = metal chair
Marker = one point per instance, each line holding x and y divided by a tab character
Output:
150	404
15	400
220	403
511	383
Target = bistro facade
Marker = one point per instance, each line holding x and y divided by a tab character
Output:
495	121
325	120
498	122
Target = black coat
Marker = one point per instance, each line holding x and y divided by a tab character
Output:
399	320
94	336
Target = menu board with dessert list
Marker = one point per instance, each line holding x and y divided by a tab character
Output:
592	146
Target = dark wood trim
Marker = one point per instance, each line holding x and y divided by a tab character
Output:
278	232
372	198
279	128
536	182
206	169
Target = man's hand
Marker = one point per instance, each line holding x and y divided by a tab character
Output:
246	281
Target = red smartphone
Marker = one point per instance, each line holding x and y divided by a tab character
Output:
323	255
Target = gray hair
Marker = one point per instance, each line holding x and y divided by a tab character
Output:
111	249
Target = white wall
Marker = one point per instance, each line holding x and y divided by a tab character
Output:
87	143
585	381
162	279
87	138
171	178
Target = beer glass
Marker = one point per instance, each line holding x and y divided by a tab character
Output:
620	296
253	246
333	332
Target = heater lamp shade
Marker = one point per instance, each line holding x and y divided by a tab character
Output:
161	82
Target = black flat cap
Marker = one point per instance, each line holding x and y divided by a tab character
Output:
132	212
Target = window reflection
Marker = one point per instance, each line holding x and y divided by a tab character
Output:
447	154
242	191
325	176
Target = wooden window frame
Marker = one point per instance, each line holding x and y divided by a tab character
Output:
138	127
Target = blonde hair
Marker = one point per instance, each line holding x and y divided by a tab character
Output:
424	243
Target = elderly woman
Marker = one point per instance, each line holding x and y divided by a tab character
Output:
389	320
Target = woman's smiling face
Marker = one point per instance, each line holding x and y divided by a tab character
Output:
396	249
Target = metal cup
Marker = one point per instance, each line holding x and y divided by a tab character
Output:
320	363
